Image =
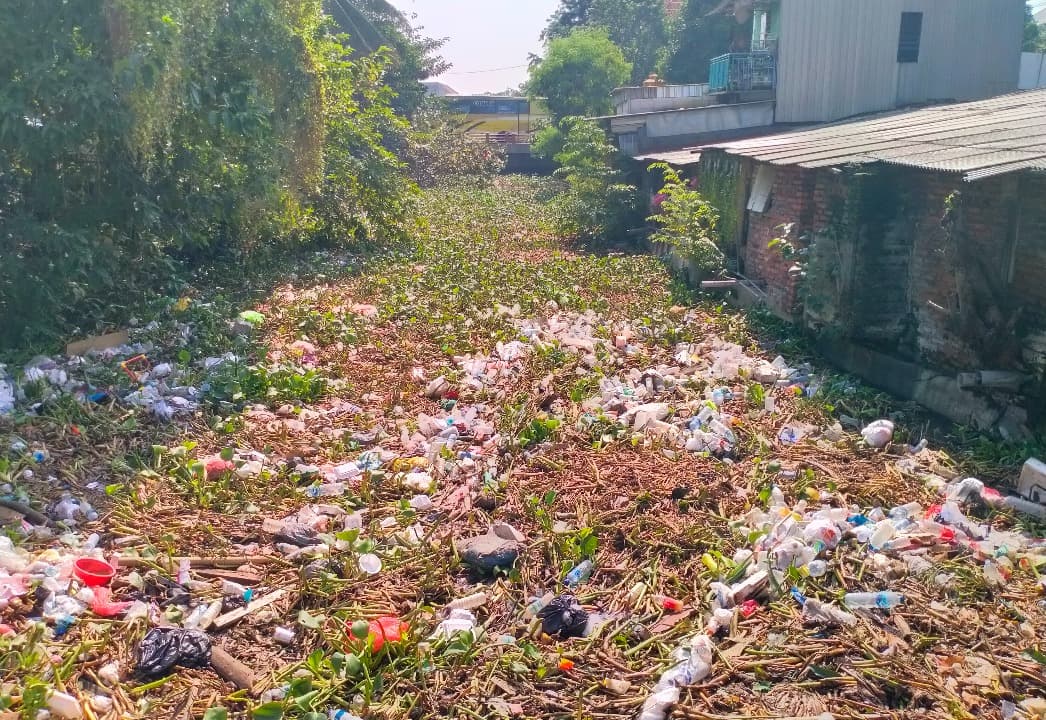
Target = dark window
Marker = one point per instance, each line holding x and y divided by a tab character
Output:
911	36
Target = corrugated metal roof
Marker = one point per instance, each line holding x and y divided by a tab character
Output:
686	156
979	139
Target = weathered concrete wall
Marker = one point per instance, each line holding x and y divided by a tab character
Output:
675	128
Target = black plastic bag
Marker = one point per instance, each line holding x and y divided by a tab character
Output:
163	648
564	617
297	534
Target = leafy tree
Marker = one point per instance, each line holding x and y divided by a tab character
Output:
698	37
577	74
138	138
1034	34
569	16
638	27
366	22
372	24
598	203
688	223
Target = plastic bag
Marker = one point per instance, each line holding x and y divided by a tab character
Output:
164	648
564	617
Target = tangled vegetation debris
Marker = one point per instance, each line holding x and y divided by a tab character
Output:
497	475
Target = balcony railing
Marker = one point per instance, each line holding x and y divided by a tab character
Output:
735	72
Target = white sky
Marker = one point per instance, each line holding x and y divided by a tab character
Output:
489	39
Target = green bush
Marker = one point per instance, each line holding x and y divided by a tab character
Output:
597	203
688	224
436	151
140	138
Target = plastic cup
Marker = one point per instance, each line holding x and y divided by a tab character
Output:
93	573
370	563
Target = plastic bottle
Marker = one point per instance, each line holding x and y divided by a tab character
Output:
817	613
338	714
283	635
579	574
885	600
539	604
183	571
469	602
333	489
202	616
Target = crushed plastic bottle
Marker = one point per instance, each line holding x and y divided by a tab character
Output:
460	620
469	602
817	613
885	600
579	574
65	706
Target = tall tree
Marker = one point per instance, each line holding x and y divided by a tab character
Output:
578	73
697	37
638	27
569	16
1034	34
372	24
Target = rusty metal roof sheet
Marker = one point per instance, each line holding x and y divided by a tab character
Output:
978	139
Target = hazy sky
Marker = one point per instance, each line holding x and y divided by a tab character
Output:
484	35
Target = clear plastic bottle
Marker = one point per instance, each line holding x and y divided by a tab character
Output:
579	574
333	489
538	604
469	602
884	600
817	613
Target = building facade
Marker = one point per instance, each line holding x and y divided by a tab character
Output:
815	61
913	243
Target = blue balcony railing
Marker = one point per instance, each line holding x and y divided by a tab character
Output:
743	71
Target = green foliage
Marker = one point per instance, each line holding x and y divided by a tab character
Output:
688	223
436	152
1034	33
538	431
569	16
373	24
638	27
719	184
139	139
697	37
598	204
577	74
237	383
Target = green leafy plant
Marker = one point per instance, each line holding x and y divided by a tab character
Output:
598	204
687	223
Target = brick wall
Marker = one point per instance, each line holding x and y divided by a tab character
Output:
791	201
1029	269
927	266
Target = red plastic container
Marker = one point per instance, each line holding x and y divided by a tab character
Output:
383	630
93	573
